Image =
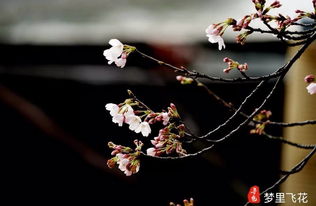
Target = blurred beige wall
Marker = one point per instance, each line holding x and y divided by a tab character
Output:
300	106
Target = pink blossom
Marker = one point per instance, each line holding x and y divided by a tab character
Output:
123	163
309	78
165	118
311	88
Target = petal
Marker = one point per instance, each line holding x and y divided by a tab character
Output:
119	119
116	52
139	128
115	42
128	173
151	151
129	110
145	129
214	38
109	55
221	44
109	106
311	88
106	52
134	123
113	108
210	29
120	62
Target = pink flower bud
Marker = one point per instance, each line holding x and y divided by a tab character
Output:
124	55
173	107
227	70
151	115
276	4
152	121
226	59
309	78
179	77
114	152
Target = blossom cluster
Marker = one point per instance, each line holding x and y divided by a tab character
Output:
263	117
140	118
168	141
125	157
124	113
214	32
234	65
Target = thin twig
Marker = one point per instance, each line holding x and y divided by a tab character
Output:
281	139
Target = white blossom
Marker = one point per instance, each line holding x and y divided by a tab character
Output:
134	122
123	162
214	36
113	108
115	53
144	128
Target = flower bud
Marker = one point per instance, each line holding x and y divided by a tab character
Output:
309	78
179	77
276	4
111	145
226	59
111	163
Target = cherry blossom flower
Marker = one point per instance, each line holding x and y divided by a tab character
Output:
311	88
144	128
113	108
113	54
213	34
128	112
119	119
133	121
119	115
123	162
125	157
165	118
